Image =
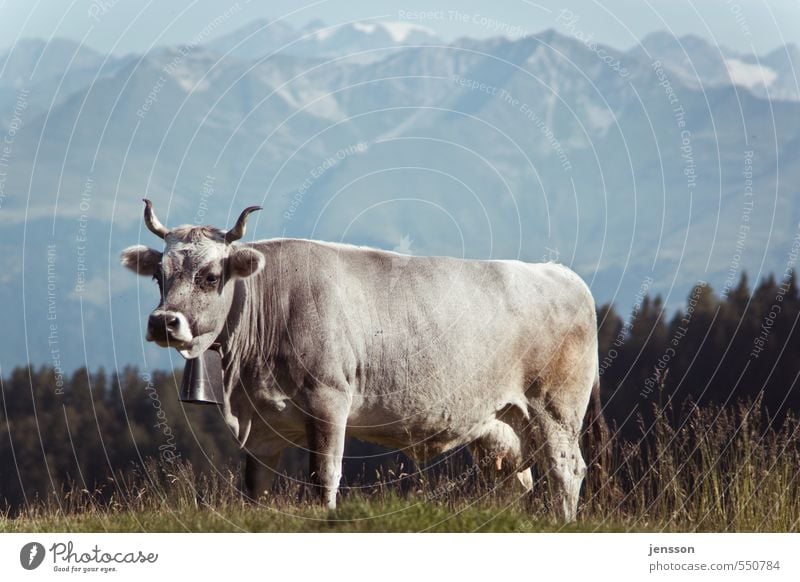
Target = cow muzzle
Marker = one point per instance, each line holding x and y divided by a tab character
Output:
169	329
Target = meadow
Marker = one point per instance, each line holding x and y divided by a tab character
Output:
694	469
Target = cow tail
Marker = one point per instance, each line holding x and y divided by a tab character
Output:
596	445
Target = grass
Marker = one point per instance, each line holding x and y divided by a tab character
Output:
692	469
352	516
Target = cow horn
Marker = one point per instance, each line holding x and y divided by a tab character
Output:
237	231
152	222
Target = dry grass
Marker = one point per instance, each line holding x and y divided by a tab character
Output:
694	469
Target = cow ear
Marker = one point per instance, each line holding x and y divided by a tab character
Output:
141	260
244	261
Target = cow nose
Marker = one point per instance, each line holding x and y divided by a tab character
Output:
169	321
154	321
163	326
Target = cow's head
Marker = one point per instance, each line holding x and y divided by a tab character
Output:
195	275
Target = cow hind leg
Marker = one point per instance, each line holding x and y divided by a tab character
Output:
560	456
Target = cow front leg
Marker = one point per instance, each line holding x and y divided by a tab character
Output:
259	474
327	423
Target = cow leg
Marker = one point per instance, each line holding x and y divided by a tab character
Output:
328	410
561	458
259	474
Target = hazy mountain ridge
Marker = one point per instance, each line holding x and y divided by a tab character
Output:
361	41
531	147
775	75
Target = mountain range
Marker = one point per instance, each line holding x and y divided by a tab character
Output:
651	168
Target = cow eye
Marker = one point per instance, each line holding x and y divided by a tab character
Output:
206	280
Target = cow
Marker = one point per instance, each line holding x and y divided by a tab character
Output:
321	341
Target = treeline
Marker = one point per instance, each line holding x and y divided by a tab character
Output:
714	349
82	431
88	428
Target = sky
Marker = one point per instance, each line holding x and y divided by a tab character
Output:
125	26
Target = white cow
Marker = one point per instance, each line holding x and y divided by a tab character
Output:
322	341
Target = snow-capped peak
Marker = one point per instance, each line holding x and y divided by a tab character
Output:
399	32
749	75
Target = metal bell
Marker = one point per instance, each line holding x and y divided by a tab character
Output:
202	379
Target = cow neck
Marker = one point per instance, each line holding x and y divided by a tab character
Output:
227	339
248	338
